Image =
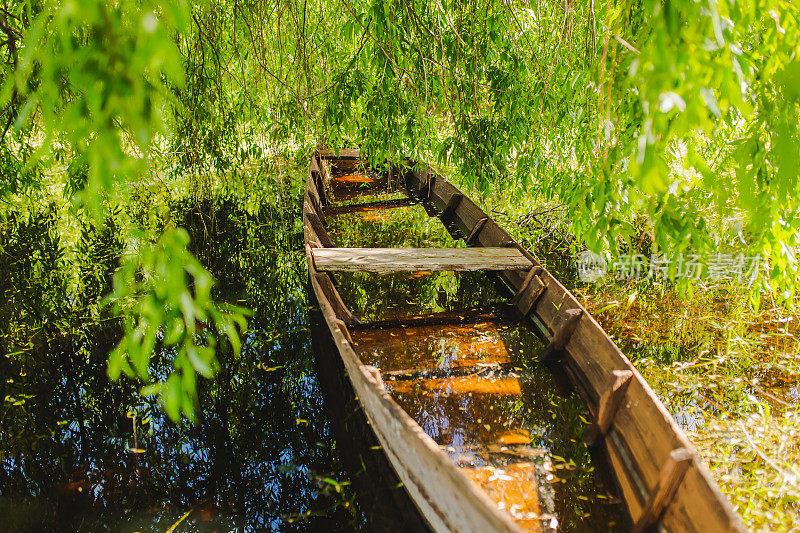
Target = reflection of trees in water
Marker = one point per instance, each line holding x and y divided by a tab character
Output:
377	297
260	438
556	418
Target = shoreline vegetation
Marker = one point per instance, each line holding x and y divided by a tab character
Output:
129	130
728	373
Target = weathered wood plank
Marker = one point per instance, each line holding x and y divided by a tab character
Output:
450	209
313	199
561	335
344	153
315	230
476	230
529	292
388	260
669	480
319	183
609	404
344	330
642	433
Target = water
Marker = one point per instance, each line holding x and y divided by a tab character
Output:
505	422
474	387
261	456
81	453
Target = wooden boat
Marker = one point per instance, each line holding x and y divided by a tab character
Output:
661	481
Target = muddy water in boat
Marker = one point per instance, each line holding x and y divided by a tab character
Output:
456	360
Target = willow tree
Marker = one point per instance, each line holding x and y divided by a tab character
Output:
680	113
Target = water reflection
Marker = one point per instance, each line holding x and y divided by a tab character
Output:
473	387
403	227
508	423
260	457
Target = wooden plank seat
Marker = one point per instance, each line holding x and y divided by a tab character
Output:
344	153
389	260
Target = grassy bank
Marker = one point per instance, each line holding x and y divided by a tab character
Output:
728	372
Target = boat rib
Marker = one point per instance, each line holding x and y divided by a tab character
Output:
660	478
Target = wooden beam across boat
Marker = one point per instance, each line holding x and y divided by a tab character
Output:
663	483
390	260
344	153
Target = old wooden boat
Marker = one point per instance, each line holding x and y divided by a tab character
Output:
658	477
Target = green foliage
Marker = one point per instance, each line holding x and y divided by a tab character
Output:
676	120
94	80
682	114
717	119
92	76
166	296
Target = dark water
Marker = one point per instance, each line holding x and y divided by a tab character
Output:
508	423
261	455
81	453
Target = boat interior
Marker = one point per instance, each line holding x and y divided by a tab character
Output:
456	357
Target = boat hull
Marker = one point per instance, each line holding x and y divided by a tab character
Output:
660	479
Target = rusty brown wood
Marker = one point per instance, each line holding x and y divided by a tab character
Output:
528	278
319	184
670	478
527	297
332	296
476	230
450	209
344	153
610	402
315	204
318	229
561	336
479	314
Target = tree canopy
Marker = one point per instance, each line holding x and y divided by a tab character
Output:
676	118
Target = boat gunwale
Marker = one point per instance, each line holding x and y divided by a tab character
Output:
635	452
469	508
578	362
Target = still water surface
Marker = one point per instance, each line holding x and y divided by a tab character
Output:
508	423
80	453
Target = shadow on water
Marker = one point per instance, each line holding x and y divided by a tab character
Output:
375	484
78	452
81	453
